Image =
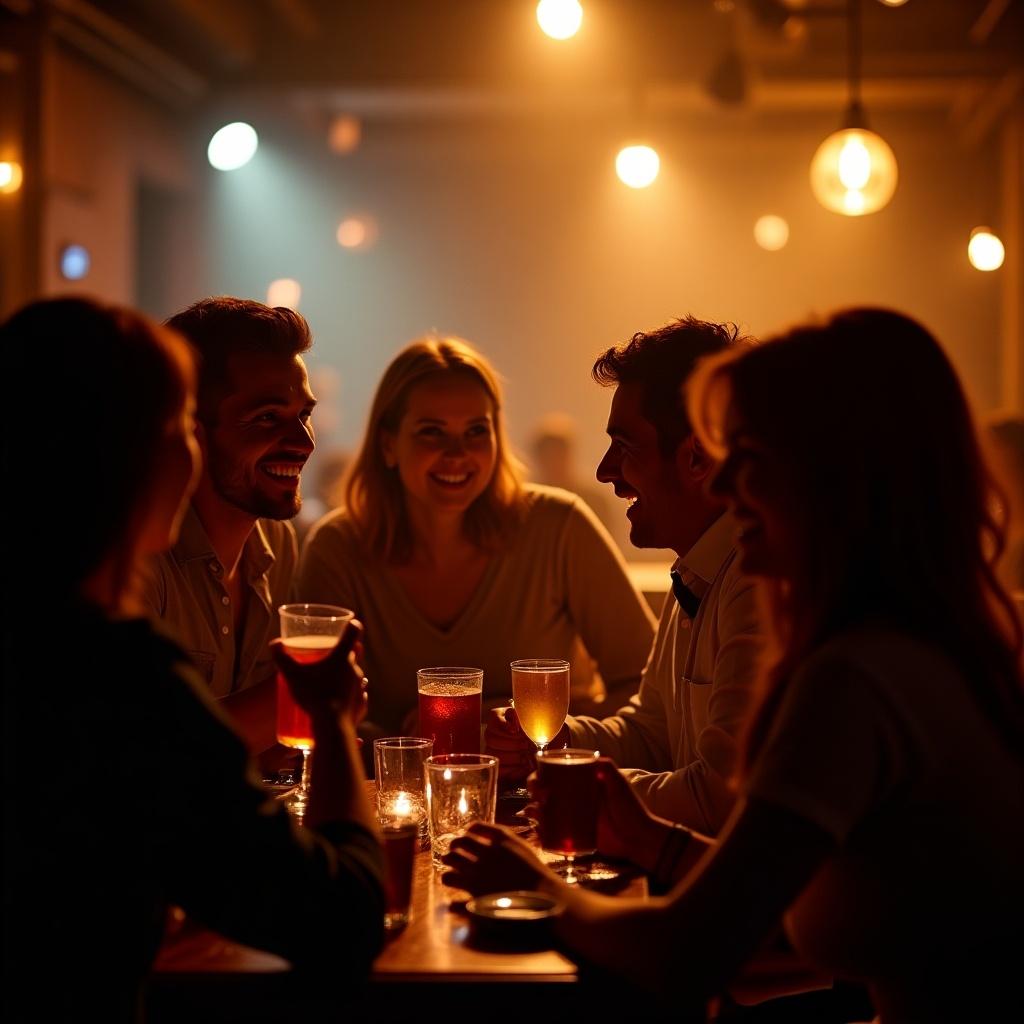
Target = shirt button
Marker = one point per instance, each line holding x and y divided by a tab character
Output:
225	599
225	630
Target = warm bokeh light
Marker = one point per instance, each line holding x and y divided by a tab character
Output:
285	291
232	146
637	166
560	19
357	232
854	172
771	232
344	134
74	262
10	176
892	3
985	250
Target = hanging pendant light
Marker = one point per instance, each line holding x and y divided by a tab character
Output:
854	170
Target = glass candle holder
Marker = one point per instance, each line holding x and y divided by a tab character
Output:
400	772
461	789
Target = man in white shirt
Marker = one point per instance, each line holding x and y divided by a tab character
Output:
676	738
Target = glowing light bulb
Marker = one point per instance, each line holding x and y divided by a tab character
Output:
10	176
285	291
854	172
344	134
637	166
357	232
985	250
854	164
232	146
559	19
771	232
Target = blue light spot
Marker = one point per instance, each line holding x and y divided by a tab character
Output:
74	262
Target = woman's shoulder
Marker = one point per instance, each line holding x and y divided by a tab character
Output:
545	505
883	654
337	529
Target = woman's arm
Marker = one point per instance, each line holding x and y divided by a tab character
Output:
692	941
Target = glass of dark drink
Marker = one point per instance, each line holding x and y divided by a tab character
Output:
450	707
568	796
400	842
310	632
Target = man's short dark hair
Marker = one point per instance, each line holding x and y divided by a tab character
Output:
221	326
660	361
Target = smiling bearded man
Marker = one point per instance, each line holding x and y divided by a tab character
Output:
218	589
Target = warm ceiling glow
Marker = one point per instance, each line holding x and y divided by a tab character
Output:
853	172
893	3
637	166
771	232
232	146
357	233
10	176
74	262
985	250
344	134
559	19
285	291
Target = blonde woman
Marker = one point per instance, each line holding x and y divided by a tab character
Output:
448	558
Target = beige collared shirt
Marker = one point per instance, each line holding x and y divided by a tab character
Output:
676	737
184	589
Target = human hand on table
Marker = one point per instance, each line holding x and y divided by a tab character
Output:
515	751
490	858
335	684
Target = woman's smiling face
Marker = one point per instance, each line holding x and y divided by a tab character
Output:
445	448
760	488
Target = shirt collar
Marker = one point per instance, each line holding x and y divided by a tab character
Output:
193	544
701	563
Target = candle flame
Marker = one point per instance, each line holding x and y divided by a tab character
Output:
463	806
402	804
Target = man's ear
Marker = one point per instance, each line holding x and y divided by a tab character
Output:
692	460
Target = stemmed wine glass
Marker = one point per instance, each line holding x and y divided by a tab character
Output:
310	632
540	696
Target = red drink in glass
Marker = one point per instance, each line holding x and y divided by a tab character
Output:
293	726
399	848
450	716
569	801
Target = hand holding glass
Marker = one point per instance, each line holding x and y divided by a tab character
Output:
309	633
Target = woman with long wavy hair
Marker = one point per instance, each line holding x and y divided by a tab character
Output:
135	791
449	559
882	792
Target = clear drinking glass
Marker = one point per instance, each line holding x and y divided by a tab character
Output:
569	796
310	632
540	695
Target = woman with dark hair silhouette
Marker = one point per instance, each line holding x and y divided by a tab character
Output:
130	791
882	793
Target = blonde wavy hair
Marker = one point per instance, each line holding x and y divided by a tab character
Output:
374	496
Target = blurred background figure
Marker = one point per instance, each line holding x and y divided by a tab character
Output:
553	462
326	491
1004	436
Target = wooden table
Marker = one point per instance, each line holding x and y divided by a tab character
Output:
198	971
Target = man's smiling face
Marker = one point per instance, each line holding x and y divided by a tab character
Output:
262	436
639	471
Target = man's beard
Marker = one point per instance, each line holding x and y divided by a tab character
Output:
236	491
